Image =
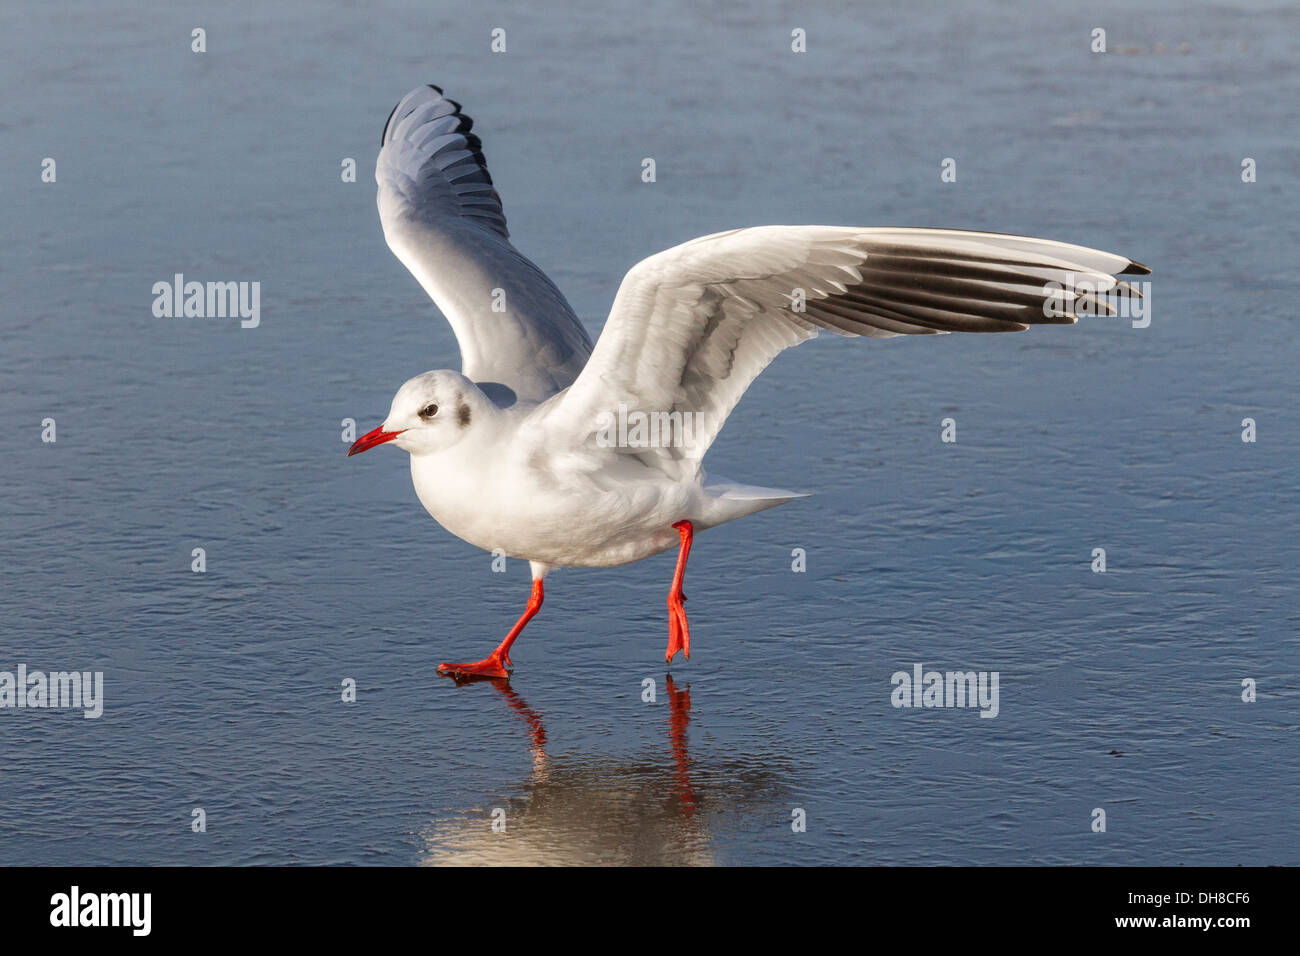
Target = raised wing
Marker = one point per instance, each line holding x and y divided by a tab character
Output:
692	326
519	338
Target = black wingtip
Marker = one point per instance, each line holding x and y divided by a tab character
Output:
466	122
383	137
1135	268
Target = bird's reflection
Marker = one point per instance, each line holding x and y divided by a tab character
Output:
589	812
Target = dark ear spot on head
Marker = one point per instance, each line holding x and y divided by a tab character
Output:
462	415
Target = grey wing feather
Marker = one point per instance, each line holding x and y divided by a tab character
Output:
693	326
442	218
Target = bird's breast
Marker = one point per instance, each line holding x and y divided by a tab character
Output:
540	520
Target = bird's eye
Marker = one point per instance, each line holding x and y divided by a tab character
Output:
429	411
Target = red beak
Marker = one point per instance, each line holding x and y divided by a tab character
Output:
371	439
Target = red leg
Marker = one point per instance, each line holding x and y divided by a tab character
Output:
679	633
497	664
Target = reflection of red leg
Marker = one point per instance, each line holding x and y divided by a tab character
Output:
535	729
679	633
679	715
497	663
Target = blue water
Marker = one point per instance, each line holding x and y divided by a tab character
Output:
1118	691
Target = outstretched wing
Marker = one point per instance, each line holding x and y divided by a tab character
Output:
519	338
692	326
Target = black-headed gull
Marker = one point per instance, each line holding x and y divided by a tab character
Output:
547	449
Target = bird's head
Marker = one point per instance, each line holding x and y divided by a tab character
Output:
430	413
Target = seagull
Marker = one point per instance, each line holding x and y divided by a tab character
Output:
547	448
